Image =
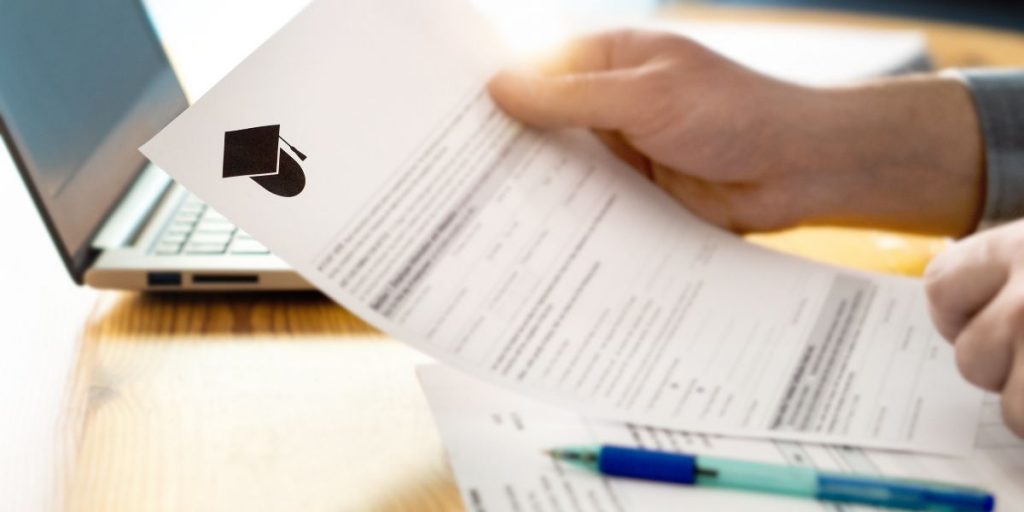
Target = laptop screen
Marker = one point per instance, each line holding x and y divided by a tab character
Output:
82	86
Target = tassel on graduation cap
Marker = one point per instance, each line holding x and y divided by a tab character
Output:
297	152
257	154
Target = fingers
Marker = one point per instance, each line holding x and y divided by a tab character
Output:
587	53
595	81
976	292
985	347
626	152
701	198
1013	395
616	49
601	100
962	280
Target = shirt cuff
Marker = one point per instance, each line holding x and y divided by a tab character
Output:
999	100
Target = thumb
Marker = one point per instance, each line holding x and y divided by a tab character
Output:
600	100
963	279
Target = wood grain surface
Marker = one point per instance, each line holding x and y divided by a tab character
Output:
272	402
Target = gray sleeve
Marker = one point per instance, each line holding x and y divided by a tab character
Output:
999	99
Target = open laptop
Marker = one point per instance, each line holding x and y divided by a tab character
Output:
82	86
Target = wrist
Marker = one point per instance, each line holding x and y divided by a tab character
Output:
901	153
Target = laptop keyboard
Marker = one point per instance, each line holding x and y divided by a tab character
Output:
197	229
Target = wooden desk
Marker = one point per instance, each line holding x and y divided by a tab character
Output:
288	402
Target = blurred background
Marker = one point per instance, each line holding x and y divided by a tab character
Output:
206	38
1003	13
997	13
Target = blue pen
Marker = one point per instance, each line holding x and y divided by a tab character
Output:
776	479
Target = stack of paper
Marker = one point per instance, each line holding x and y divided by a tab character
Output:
495	441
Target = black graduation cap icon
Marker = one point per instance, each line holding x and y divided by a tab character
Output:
257	153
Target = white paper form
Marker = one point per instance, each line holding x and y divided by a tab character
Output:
495	441
540	261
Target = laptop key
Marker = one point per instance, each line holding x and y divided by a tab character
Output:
211	215
214	219
168	248
177	237
215	227
206	237
249	246
193	204
190	217
181	226
205	248
197	229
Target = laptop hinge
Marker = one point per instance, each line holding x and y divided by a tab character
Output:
125	222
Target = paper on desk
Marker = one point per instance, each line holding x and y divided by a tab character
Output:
539	261
495	439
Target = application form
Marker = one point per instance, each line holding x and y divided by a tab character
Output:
538	260
495	441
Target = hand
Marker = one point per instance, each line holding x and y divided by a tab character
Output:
748	152
976	293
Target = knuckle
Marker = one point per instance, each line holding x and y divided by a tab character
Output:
609	41
965	359
649	39
1001	244
943	313
684	44
622	46
1014	306
658	111
937	279
935	270
937	296
972	363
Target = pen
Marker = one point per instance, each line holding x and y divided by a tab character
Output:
776	479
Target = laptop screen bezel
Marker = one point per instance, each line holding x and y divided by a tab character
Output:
167	100
76	260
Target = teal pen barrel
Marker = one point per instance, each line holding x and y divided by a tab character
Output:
785	480
756	476
905	494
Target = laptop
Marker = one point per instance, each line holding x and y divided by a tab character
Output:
82	86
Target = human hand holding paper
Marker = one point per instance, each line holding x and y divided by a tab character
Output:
976	289
751	153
